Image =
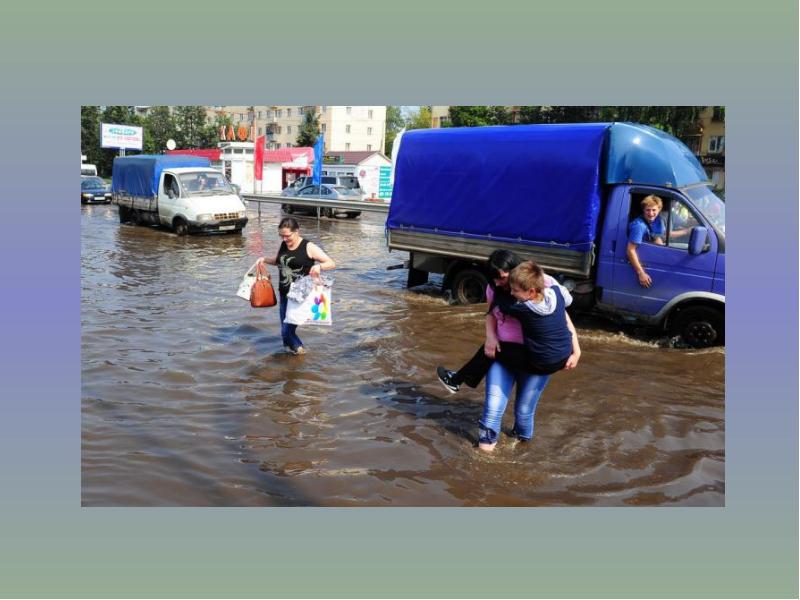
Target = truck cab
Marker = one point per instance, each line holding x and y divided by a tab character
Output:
193	200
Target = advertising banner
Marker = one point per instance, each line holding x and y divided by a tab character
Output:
113	135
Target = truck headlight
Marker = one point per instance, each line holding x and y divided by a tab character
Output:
205	217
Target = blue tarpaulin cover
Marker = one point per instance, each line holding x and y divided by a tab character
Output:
536	184
646	155
139	175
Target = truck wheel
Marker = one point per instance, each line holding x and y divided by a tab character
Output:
180	227
700	326
353	214
469	286
124	214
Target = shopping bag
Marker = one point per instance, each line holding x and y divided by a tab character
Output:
313	309
247	283
262	294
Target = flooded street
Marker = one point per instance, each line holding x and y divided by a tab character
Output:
188	397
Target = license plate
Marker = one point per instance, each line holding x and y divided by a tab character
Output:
227	227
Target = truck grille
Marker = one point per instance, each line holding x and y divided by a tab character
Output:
225	216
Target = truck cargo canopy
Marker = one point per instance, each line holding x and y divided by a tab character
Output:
139	175
534	184
645	155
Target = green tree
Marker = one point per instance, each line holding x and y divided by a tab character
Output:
394	123
90	134
479	116
309	129
159	126
192	129
420	119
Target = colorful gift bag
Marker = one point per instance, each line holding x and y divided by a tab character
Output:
313	309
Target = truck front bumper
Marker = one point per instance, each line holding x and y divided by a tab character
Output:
218	226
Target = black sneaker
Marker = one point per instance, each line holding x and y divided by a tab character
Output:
446	377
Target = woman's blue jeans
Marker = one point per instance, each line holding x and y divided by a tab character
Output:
288	331
499	382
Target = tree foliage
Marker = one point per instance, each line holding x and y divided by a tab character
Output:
192	127
309	130
420	119
90	134
478	116
159	126
394	123
680	121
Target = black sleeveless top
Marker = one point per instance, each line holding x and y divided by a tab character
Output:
292	264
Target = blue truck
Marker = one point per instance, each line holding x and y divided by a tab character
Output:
177	191
564	195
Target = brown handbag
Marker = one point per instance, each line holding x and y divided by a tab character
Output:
262	294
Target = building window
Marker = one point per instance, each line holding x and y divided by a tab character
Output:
347	128
279	113
369	114
369	146
288	129
277	146
323	108
259	131
716	144
719	113
288	113
300	110
259	114
349	109
323	128
369	130
347	146
269	114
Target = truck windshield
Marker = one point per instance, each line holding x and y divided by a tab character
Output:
205	183
708	203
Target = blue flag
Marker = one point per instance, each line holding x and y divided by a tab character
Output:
316	175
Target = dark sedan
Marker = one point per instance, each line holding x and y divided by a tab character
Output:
94	190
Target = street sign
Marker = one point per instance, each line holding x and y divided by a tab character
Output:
385	182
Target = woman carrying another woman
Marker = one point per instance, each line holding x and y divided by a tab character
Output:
296	257
500	379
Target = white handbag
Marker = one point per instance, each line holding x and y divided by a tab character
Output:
247	283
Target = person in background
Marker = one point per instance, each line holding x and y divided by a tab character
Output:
645	228
296	257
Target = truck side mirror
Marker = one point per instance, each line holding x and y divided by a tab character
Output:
698	240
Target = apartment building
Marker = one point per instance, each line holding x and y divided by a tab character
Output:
346	128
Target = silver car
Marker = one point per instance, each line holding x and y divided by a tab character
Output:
327	192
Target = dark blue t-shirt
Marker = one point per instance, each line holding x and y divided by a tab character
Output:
640	230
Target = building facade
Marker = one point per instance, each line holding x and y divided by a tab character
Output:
346	128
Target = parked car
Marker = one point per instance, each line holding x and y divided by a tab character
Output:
94	190
327	192
348	181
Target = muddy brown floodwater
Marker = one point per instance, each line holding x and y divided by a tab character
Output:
189	399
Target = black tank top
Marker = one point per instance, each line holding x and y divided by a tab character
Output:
292	264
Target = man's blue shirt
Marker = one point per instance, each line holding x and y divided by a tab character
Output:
639	231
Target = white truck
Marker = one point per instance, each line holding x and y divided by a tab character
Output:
177	191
